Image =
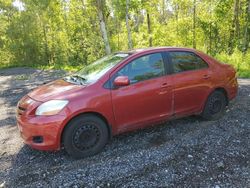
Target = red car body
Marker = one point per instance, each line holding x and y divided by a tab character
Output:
126	108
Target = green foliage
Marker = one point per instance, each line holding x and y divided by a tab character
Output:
65	34
240	61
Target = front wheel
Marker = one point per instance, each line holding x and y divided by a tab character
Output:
85	136
215	106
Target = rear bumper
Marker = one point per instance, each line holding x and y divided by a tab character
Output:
48	128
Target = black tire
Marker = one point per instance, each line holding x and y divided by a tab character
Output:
84	136
215	106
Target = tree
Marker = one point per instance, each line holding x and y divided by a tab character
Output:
234	28
150	40
130	45
194	24
100	5
73	33
246	28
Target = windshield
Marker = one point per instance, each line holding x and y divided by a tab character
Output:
97	69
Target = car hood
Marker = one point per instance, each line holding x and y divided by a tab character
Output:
58	89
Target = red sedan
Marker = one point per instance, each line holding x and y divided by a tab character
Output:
122	92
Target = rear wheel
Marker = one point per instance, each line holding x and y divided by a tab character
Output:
215	106
85	135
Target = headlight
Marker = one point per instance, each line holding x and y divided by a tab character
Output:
51	107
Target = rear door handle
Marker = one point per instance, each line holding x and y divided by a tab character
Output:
206	76
164	88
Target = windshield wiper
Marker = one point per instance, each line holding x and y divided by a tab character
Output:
77	78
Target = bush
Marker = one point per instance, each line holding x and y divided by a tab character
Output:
240	61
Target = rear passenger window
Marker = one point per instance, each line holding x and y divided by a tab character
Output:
185	61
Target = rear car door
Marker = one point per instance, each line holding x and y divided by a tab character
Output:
147	99
191	81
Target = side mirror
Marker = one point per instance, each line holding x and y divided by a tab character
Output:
121	81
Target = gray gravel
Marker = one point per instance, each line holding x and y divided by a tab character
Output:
188	152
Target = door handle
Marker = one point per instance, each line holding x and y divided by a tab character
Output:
206	76
164	85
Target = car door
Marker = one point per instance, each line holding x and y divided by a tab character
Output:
192	81
148	97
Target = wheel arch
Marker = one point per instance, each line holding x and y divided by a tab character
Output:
221	89
87	113
224	91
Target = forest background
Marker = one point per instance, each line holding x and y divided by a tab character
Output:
69	34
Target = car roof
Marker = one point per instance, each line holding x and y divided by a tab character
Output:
151	49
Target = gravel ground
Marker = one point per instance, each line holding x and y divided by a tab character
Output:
188	152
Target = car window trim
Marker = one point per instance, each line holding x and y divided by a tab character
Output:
167	63
171	68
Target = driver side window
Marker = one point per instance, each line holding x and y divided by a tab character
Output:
143	68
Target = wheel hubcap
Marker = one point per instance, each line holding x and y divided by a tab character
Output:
86	137
215	106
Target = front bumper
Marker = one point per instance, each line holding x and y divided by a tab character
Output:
46	127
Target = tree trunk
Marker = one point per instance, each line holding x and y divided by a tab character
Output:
130	44
149	30
194	25
137	22
117	26
83	5
234	28
177	21
163	17
103	26
247	29
210	38
46	44
210	30
163	8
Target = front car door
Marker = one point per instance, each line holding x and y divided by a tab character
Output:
192	82
147	99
